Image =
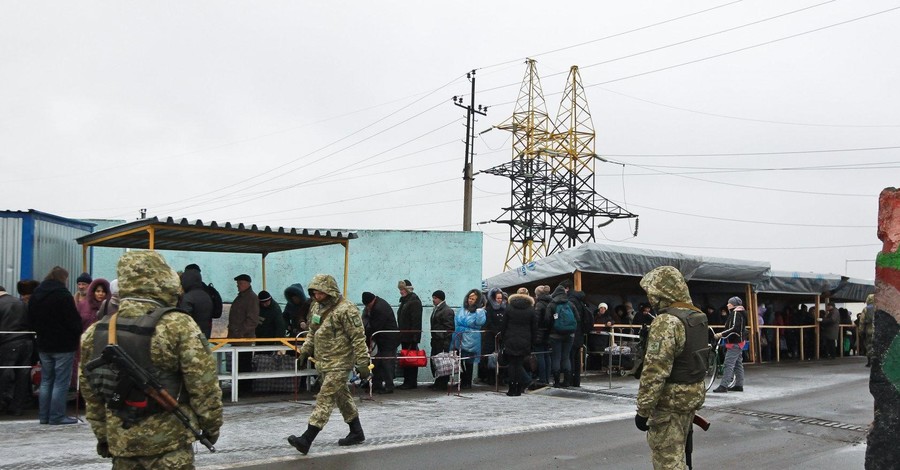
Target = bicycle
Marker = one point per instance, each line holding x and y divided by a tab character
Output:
714	367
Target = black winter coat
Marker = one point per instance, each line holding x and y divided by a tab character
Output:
53	316
583	316
442	318
381	318
544	320
519	326
196	302
409	317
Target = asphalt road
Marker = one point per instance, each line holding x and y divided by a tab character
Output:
810	428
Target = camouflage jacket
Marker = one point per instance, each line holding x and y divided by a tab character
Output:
666	286
337	339
145	282
665	343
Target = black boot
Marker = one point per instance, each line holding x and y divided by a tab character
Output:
304	442
517	392
556	380
566	379
868	362
512	390
356	435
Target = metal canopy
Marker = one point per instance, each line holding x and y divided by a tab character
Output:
193	235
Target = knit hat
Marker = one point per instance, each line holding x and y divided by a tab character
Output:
735	301
603	305
406	285
541	290
439	294
85	278
367	297
523	291
264	295
192	266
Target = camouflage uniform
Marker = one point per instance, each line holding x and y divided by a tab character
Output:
670	406
868	327
146	282
337	342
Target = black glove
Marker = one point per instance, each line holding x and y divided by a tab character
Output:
641	422
364	372
210	436
301	360
103	449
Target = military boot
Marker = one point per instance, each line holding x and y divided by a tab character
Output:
304	442
512	389
356	435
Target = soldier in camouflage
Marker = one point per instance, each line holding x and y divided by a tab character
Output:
867	325
672	386
159	440
337	343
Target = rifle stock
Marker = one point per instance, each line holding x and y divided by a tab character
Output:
701	422
114	354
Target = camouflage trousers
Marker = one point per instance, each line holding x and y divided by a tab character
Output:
667	436
179	459
334	391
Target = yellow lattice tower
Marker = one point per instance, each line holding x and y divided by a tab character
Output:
531	129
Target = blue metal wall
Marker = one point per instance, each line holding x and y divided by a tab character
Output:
33	242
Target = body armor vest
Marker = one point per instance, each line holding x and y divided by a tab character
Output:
132	334
690	366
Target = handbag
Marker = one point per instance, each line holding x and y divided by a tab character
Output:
412	358
444	363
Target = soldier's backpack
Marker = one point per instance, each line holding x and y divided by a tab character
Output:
216	300
117	392
564	322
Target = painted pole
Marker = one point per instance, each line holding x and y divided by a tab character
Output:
882	452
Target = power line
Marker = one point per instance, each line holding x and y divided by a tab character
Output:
766	43
679	43
244	181
754	222
744	248
335	152
758	188
739	118
670	20
751	154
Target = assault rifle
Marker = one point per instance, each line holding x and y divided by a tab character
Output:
147	383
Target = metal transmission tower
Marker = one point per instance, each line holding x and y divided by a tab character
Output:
573	203
471	110
531	128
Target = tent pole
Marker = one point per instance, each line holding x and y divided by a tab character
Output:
264	270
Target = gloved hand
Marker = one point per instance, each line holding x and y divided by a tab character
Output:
641	422
364	372
211	436
103	449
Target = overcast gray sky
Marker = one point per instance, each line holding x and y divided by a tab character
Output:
758	130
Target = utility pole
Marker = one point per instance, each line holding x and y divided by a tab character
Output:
470	144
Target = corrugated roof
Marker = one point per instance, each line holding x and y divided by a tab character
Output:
195	235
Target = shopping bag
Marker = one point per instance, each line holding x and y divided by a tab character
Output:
443	363
412	358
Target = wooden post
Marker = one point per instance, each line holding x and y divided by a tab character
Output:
264	270
577	275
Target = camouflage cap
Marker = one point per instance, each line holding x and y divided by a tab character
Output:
870	299
324	283
665	285
145	275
